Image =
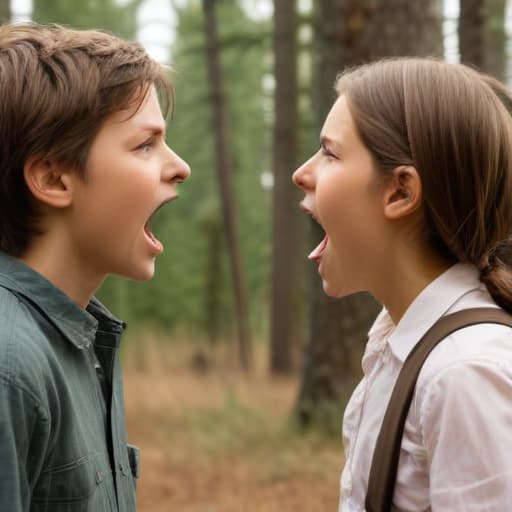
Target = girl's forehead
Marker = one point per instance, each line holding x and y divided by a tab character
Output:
339	123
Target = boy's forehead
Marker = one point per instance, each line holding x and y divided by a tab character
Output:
140	113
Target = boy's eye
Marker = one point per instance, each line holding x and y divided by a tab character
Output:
146	145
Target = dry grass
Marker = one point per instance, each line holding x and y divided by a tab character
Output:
216	441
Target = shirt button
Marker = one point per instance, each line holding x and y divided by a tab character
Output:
346	483
99	477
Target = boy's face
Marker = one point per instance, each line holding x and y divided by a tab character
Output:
130	173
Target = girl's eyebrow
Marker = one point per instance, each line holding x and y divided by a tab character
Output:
327	142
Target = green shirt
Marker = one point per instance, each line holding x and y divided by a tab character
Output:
63	445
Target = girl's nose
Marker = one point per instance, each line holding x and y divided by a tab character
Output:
303	177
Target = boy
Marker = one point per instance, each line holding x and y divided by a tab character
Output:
83	167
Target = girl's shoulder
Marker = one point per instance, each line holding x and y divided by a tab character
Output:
467	359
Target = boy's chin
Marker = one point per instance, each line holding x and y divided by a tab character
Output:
142	274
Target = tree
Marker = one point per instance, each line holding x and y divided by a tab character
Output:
495	56
286	218
473	32
482	38
392	28
350	32
224	171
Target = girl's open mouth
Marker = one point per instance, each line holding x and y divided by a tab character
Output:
317	253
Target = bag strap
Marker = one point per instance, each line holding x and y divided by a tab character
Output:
384	466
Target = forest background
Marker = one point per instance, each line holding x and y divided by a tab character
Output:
237	365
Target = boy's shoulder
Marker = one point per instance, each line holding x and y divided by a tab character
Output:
15	321
24	344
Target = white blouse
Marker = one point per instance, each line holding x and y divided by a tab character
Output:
456	452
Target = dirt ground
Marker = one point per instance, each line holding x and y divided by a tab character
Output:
213	440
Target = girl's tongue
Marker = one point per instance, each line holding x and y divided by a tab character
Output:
316	254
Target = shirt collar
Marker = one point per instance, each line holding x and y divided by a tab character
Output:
430	305
79	326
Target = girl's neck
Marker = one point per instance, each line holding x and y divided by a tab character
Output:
406	278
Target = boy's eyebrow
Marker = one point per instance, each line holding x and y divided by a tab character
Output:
155	129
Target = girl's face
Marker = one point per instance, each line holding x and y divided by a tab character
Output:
343	193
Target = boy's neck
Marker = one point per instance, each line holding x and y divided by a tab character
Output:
62	268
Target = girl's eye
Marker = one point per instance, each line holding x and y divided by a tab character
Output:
327	153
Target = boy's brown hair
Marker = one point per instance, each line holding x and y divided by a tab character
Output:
57	86
454	126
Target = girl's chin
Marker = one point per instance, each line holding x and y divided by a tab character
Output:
335	290
330	290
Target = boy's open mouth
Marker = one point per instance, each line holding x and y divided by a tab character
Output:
153	241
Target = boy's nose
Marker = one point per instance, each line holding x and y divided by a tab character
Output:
176	169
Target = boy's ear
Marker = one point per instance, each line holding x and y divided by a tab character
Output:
403	193
49	183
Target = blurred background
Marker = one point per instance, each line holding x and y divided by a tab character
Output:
237	366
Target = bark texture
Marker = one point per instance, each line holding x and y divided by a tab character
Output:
220	122
286	215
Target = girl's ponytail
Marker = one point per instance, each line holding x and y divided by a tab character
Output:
496	273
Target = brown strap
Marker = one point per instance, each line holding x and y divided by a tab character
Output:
384	467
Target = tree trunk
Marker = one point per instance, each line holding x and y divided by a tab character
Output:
5	11
472	32
394	28
224	171
286	215
346	34
495	55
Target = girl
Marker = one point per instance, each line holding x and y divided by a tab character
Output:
413	186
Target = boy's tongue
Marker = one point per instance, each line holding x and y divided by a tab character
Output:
156	243
318	251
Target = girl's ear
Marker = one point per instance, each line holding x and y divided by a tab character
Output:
403	193
49	183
